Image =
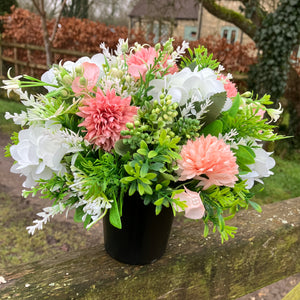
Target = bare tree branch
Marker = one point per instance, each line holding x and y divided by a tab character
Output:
229	15
57	21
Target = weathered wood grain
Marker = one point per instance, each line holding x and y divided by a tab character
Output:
265	250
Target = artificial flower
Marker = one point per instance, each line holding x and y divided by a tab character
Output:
208	160
105	116
129	122
88	80
187	85
39	153
195	208
229	86
261	168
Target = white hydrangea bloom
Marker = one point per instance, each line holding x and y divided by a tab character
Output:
187	84
261	167
39	153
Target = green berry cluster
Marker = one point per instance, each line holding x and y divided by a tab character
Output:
156	116
187	128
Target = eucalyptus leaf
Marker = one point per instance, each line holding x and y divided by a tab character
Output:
214	110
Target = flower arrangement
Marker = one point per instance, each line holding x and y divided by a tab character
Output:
166	124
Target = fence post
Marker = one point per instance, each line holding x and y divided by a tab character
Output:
1	61
15	59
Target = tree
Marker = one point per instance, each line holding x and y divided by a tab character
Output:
276	31
77	8
5	6
48	39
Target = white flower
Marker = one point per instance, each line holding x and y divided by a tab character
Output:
186	85
45	215
12	84
19	119
39	153
275	113
261	167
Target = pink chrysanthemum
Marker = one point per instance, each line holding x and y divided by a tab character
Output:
211	157
104	118
91	74
229	86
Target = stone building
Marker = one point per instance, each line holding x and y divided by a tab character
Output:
186	19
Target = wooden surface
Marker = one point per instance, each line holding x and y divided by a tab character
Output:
265	250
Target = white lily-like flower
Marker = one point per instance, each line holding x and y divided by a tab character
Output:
12	84
275	113
261	167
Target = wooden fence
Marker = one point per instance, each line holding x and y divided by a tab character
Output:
30	63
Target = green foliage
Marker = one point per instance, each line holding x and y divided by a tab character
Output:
247	122
199	58
219	201
151	170
275	40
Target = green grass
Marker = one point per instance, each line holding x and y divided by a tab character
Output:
284	184
12	106
18	247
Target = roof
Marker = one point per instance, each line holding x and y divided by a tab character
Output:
166	9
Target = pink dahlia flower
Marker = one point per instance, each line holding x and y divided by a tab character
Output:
195	208
104	118
211	157
91	74
229	86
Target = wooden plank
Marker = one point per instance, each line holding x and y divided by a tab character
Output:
294	294
265	250
41	48
23	63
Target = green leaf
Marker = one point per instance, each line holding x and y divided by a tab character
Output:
206	230
151	176
148	189
132	188
141	189
144	145
245	155
214	110
235	106
78	214
87	221
114	215
127	179
158	209
159	201
256	206
162	137
129	169
144	170
152	154
214	128
142	151
121	148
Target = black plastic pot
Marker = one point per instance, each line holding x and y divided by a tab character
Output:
144	236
